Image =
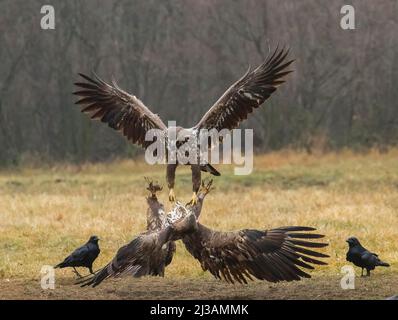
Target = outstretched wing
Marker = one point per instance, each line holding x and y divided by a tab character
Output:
132	259
248	93
120	110
273	255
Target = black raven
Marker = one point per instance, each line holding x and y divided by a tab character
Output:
363	258
83	256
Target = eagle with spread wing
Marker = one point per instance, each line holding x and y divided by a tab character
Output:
127	114
149	253
273	255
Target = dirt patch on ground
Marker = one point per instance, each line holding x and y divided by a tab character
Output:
375	287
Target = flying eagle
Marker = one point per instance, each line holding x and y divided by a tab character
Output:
127	114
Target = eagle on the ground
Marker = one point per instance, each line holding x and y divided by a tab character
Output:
127	114
237	256
149	253
274	255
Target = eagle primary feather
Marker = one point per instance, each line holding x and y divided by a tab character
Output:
273	255
247	94
120	110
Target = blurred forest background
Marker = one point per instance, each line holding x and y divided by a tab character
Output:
179	56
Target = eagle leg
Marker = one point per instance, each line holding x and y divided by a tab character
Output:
170	177
194	199
206	186
196	182
172	196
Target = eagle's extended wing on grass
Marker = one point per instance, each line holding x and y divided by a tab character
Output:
273	255
144	255
132	259
248	93
120	110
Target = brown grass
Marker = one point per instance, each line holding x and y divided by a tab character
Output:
45	213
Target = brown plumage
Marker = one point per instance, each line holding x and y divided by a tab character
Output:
273	255
127	114
247	94
151	251
237	256
144	255
120	110
155	217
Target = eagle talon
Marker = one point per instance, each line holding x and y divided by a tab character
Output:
194	199
153	187
172	197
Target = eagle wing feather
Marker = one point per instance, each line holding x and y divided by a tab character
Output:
247	94
273	255
120	110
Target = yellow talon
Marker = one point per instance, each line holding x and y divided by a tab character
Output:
194	199
172	197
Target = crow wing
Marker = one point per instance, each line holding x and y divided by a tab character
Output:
120	110
272	255
76	257
248	93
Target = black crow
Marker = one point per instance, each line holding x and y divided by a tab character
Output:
363	258
83	256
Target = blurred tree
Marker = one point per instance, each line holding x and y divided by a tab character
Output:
180	56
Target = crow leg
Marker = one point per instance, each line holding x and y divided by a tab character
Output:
91	270
76	273
362	273
367	272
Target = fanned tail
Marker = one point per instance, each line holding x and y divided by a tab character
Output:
383	264
209	168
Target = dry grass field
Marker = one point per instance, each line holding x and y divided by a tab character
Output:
47	212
